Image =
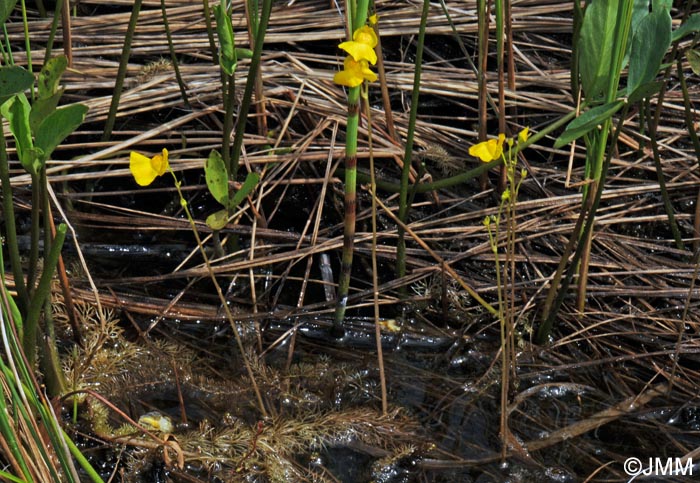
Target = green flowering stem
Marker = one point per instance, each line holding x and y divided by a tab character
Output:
219	292
359	18
350	208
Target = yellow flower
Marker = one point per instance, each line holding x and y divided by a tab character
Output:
354	73
523	135
488	150
373	19
362	45
146	169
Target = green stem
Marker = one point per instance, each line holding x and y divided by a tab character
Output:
668	207
688	109
461	178
408	153
11	228
587	215
82	460
35	233
350	209
222	298
121	73
27	44
350	188
250	84
173	56
229	96
43	290
54	27
210	31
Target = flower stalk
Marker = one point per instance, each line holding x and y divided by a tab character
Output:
356	71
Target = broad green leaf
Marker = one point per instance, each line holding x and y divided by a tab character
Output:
13	80
649	45
251	181
42	108
224	30
693	57
595	46
644	91
218	220
640	9
6	8
217	177
50	76
587	121
691	25
16	111
58	125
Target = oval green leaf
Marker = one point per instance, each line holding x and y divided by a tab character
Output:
50	76
218	220
217	177
13	80
16	111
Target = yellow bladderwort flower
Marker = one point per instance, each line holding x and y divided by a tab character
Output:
488	150
354	73
362	45
145	169
523	135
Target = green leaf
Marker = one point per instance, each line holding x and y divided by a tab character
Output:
227	50
58	125
243	53
16	316
691	25
644	91
16	111
13	80
649	45
6	8
586	122
217	177
251	181
42	108
218	220
50	76
595	46
693	57
661	4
